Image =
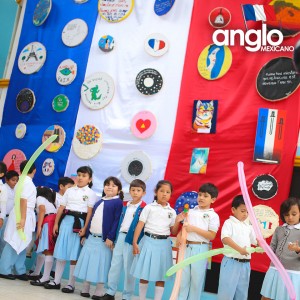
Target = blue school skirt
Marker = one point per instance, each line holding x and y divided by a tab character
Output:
44	240
67	245
154	260
94	261
274	288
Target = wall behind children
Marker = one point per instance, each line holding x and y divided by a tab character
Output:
170	148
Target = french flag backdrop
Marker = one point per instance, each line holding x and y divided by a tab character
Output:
188	31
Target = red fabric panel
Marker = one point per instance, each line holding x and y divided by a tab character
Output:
236	123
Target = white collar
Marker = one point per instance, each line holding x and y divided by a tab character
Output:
235	220
203	210
129	203
157	204
109	198
81	188
297	226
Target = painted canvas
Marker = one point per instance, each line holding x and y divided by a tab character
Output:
199	160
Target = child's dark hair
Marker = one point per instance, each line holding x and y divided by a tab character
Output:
160	184
23	164
64	181
10	174
3	168
117	182
237	201
88	170
47	193
138	183
209	188
286	206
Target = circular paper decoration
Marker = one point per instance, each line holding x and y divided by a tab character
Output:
156	44
115	11
80	1
219	17
149	81
161	7
143	124
87	141
32	58
13	159
268	219
277	79
48	166
59	141
74	32
214	61
20	131
265	186
41	12
106	43
136	165
190	198
60	103
97	90
66	72
25	100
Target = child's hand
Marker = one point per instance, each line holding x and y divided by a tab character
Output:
180	217
21	224
55	229
81	232
1	222
294	246
188	227
243	251
38	233
109	244
82	241
135	249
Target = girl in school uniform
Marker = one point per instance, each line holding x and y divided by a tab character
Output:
73	216
95	258
154	253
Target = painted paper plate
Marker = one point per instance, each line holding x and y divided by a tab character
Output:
74	32
149	82
219	17
190	198
143	124
136	165
80	1
106	43
59	141
277	79
265	186
156	44
66	72
48	166
25	100
115	11
87	141
214	61
13	159
32	58
161	7
20	131
60	103
41	12
267	218
97	90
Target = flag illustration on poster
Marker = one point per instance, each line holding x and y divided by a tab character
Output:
269	135
259	12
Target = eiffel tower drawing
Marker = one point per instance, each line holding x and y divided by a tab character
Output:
32	54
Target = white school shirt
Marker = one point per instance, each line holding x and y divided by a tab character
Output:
58	200
130	211
157	218
206	219
10	198
79	199
3	200
241	233
49	207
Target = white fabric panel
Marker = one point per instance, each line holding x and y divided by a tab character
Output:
123	64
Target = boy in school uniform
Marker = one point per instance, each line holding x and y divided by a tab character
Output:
202	226
63	184
3	194
238	234
122	254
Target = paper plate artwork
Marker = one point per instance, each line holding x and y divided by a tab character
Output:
190	198
59	141
66	72
149	82
106	43
161	7
74	33
60	103
20	131
13	159
25	100
41	12
265	186
156	44
48	166
219	17
143	124
115	10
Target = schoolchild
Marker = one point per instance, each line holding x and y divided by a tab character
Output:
3	194
63	184
153	255
95	257
73	216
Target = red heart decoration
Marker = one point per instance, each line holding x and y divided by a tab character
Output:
142	125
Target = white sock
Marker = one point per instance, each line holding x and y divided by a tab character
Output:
158	292
72	278
47	268
85	287
59	270
143	290
99	291
38	264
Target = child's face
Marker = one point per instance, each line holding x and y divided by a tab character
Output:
111	189
241	212
136	194
83	179
13	181
205	200
293	216
163	194
62	189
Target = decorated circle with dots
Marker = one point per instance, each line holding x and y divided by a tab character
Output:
149	81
